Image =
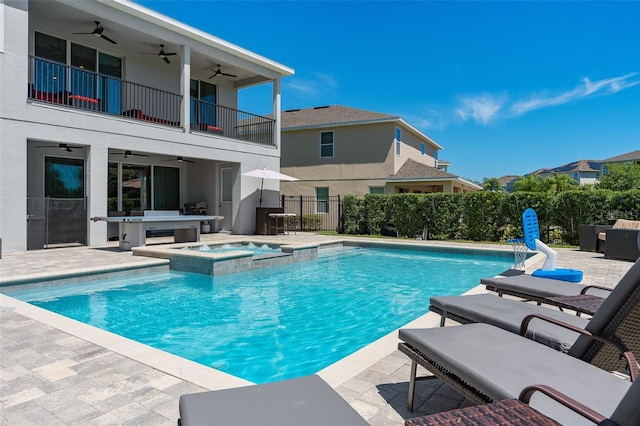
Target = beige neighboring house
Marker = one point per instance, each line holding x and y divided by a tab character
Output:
337	150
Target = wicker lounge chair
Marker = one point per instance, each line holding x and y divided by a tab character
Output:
517	411
615	317
487	364
579	297
303	401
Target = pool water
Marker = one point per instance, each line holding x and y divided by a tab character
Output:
274	323
257	250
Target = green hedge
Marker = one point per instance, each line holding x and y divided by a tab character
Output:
487	216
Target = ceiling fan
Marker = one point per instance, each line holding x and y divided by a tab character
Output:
128	154
98	32
219	72
61	146
162	54
181	160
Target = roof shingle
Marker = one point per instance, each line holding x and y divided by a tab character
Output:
334	114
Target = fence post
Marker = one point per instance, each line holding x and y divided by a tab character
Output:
340	223
301	214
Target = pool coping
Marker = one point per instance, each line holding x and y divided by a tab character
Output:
207	377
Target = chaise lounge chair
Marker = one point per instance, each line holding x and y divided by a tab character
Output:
487	364
303	401
618	316
579	297
517	411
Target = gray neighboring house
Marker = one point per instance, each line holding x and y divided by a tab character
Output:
582	171
338	150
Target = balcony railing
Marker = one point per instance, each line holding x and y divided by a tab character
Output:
214	118
78	88
57	83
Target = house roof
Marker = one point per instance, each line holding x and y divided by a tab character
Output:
629	156
413	170
334	114
576	166
506	179
338	115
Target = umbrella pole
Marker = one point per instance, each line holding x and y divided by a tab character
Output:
261	185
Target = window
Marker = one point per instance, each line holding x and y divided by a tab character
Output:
227	185
322	200
50	48
376	190
398	139
48	76
112	191
64	177
166	188
83	59
422	148
136	187
326	144
109	84
205	111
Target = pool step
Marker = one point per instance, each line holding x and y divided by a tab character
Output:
334	253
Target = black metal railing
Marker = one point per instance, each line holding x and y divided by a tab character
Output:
78	88
62	84
213	118
314	213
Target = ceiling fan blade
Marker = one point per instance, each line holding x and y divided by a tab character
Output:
228	75
164	58
169	54
188	161
213	76
107	38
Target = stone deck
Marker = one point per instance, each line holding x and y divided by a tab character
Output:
57	373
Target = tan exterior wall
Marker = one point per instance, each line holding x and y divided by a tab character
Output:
410	147
364	156
358	187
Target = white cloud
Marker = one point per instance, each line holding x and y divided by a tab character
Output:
486	108
483	108
587	88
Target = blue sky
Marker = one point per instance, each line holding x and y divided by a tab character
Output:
505	87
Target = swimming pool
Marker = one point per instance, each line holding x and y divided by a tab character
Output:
274	323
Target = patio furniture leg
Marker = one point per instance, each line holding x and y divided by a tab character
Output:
412	385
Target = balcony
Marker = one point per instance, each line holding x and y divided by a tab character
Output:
60	84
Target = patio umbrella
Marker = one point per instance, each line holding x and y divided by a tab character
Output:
265	173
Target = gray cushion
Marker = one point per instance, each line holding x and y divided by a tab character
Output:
539	287
612	305
303	401
501	364
508	314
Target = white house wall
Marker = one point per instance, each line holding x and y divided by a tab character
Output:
24	122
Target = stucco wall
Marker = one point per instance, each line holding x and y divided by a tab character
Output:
25	123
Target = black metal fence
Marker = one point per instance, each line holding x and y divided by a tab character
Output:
56	222
314	213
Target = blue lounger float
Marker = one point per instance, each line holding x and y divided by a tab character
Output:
532	240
